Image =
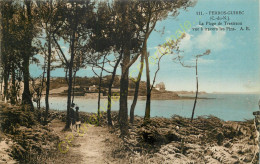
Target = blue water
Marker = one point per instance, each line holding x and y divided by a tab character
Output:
232	107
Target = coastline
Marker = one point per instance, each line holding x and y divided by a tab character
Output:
139	97
155	95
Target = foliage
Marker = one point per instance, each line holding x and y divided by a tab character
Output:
14	117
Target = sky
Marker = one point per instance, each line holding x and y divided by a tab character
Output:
232	65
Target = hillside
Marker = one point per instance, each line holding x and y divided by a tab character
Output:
59	87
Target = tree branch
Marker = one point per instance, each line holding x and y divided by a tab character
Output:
61	59
94	71
131	63
96	65
63	55
156	71
182	63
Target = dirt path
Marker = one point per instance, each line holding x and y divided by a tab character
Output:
95	146
5	146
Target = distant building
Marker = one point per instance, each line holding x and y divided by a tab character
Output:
91	88
160	86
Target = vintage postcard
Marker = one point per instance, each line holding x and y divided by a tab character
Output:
129	81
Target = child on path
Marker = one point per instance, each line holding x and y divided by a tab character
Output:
78	122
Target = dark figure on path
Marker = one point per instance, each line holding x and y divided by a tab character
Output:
72	115
78	122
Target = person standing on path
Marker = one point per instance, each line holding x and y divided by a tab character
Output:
72	115
78	122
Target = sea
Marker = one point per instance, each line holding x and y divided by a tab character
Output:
228	107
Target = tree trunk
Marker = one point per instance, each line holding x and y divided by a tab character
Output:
148	90
48	80
69	99
41	87
18	88
137	83
74	82
26	97
5	56
123	111
197	85
1	92
70	81
6	78
99	92
109	118
99	88
38	98
13	89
